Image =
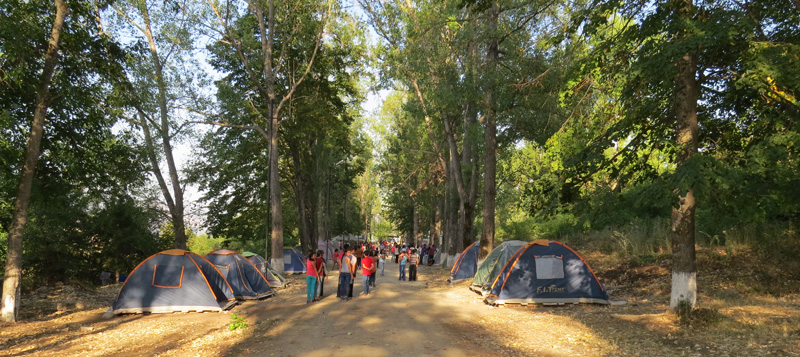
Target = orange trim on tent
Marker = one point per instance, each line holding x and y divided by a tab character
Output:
543	242
507	262
257	270
584	263
460	258
512	265
174	252
180	282
137	267
206	279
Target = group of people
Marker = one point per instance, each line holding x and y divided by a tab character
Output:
348	262
370	260
425	251
316	273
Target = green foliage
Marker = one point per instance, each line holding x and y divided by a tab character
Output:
68	241
321	149
237	322
202	244
611	166
88	211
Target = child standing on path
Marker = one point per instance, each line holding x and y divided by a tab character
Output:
368	267
322	274
346	272
382	260
403	258
312	275
413	262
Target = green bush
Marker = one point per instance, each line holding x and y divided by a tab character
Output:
237	322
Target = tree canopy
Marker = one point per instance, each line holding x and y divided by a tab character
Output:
496	120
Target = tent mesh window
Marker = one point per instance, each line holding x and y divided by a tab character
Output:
287	259
166	276
549	267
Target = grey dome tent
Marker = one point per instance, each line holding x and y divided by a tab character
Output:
546	272
466	264
245	279
493	264
274	279
174	281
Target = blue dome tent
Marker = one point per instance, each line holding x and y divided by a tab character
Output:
174	281
274	279
294	262
467	264
546	272
245	279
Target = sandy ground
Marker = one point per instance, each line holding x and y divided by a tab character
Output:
424	318
396	317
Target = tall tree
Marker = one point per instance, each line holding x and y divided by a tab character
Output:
13	268
166	31
251	35
675	67
684	270
490	129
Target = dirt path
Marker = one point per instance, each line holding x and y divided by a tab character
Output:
397	317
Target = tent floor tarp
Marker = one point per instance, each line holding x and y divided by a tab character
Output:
175	309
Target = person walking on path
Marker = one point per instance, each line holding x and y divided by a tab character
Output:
312	276
359	256
403	260
413	262
322	273
432	255
337	263
382	260
396	251
353	269
346	273
367	268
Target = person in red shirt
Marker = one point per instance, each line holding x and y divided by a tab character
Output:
367	269
336	259
311	277
322	273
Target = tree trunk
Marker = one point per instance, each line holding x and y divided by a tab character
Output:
13	269
176	210
490	165
433	236
415	218
321	215
311	216
275	199
440	222
300	200
684	270
451	232
456	176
